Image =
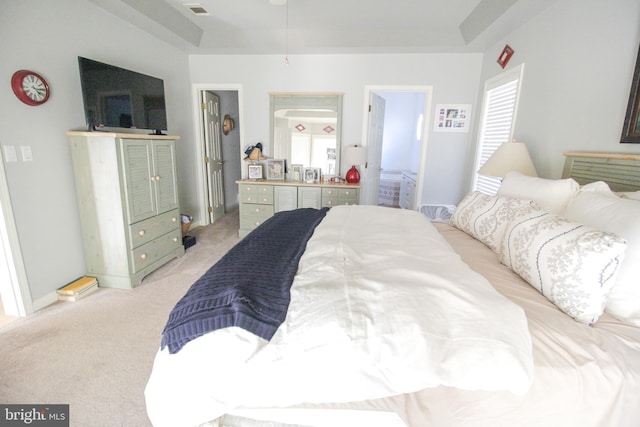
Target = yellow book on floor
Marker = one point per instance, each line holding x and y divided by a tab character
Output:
78	295
78	285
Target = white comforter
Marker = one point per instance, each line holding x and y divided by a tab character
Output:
381	305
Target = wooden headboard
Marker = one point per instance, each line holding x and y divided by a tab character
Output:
620	171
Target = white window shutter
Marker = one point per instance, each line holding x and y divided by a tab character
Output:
496	127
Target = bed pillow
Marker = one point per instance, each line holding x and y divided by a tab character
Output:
605	211
633	195
552	195
485	217
573	265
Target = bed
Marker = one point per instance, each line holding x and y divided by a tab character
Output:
395	320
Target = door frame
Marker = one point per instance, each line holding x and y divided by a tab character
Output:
427	90
15	293
201	167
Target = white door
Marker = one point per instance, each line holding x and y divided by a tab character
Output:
213	155
374	148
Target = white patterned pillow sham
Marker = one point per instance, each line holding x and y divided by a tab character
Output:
552	195
573	265
603	210
486	217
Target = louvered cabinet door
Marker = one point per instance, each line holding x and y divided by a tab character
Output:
139	179
166	181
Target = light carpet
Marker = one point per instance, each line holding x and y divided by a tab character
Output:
96	354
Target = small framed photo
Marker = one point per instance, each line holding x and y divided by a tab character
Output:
297	172
312	175
505	56
275	169
255	172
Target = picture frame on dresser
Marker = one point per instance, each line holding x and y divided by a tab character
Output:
255	172
297	173
312	175
275	169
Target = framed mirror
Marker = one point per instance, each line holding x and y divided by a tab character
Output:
306	130
631	128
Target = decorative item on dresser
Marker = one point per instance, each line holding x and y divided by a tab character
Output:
354	156
276	169
255	172
260	201
312	175
127	193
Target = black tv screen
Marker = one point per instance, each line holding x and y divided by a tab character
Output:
116	98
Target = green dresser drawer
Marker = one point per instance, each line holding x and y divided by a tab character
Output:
147	230
257	193
147	254
339	196
252	215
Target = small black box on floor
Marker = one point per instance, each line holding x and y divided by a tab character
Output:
188	241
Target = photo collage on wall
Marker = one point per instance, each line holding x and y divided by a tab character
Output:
452	118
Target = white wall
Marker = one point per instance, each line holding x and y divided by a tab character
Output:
400	145
579	58
454	78
42	36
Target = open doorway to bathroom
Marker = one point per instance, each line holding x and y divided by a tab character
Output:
396	134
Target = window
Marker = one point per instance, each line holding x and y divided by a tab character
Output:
497	121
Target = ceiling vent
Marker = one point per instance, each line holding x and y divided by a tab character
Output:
197	9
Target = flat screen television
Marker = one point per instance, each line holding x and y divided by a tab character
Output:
116	99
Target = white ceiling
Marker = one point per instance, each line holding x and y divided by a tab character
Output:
328	26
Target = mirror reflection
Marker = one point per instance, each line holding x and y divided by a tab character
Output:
306	130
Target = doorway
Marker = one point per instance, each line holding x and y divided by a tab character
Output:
218	150
395	130
15	296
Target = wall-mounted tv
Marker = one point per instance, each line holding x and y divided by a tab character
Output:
116	99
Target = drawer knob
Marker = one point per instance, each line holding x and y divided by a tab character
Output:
265	199
174	219
257	209
248	188
141	233
143	256
264	189
175	239
346	192
248	199
329	202
257	222
330	192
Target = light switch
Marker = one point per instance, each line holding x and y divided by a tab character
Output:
10	154
27	155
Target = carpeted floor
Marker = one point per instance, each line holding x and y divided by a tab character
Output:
96	354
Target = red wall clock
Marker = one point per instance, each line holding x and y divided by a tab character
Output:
30	88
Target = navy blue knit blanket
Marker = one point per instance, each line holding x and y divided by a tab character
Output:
249	286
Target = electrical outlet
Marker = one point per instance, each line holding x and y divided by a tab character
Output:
27	155
10	154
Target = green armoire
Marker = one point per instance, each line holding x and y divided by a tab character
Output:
127	193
